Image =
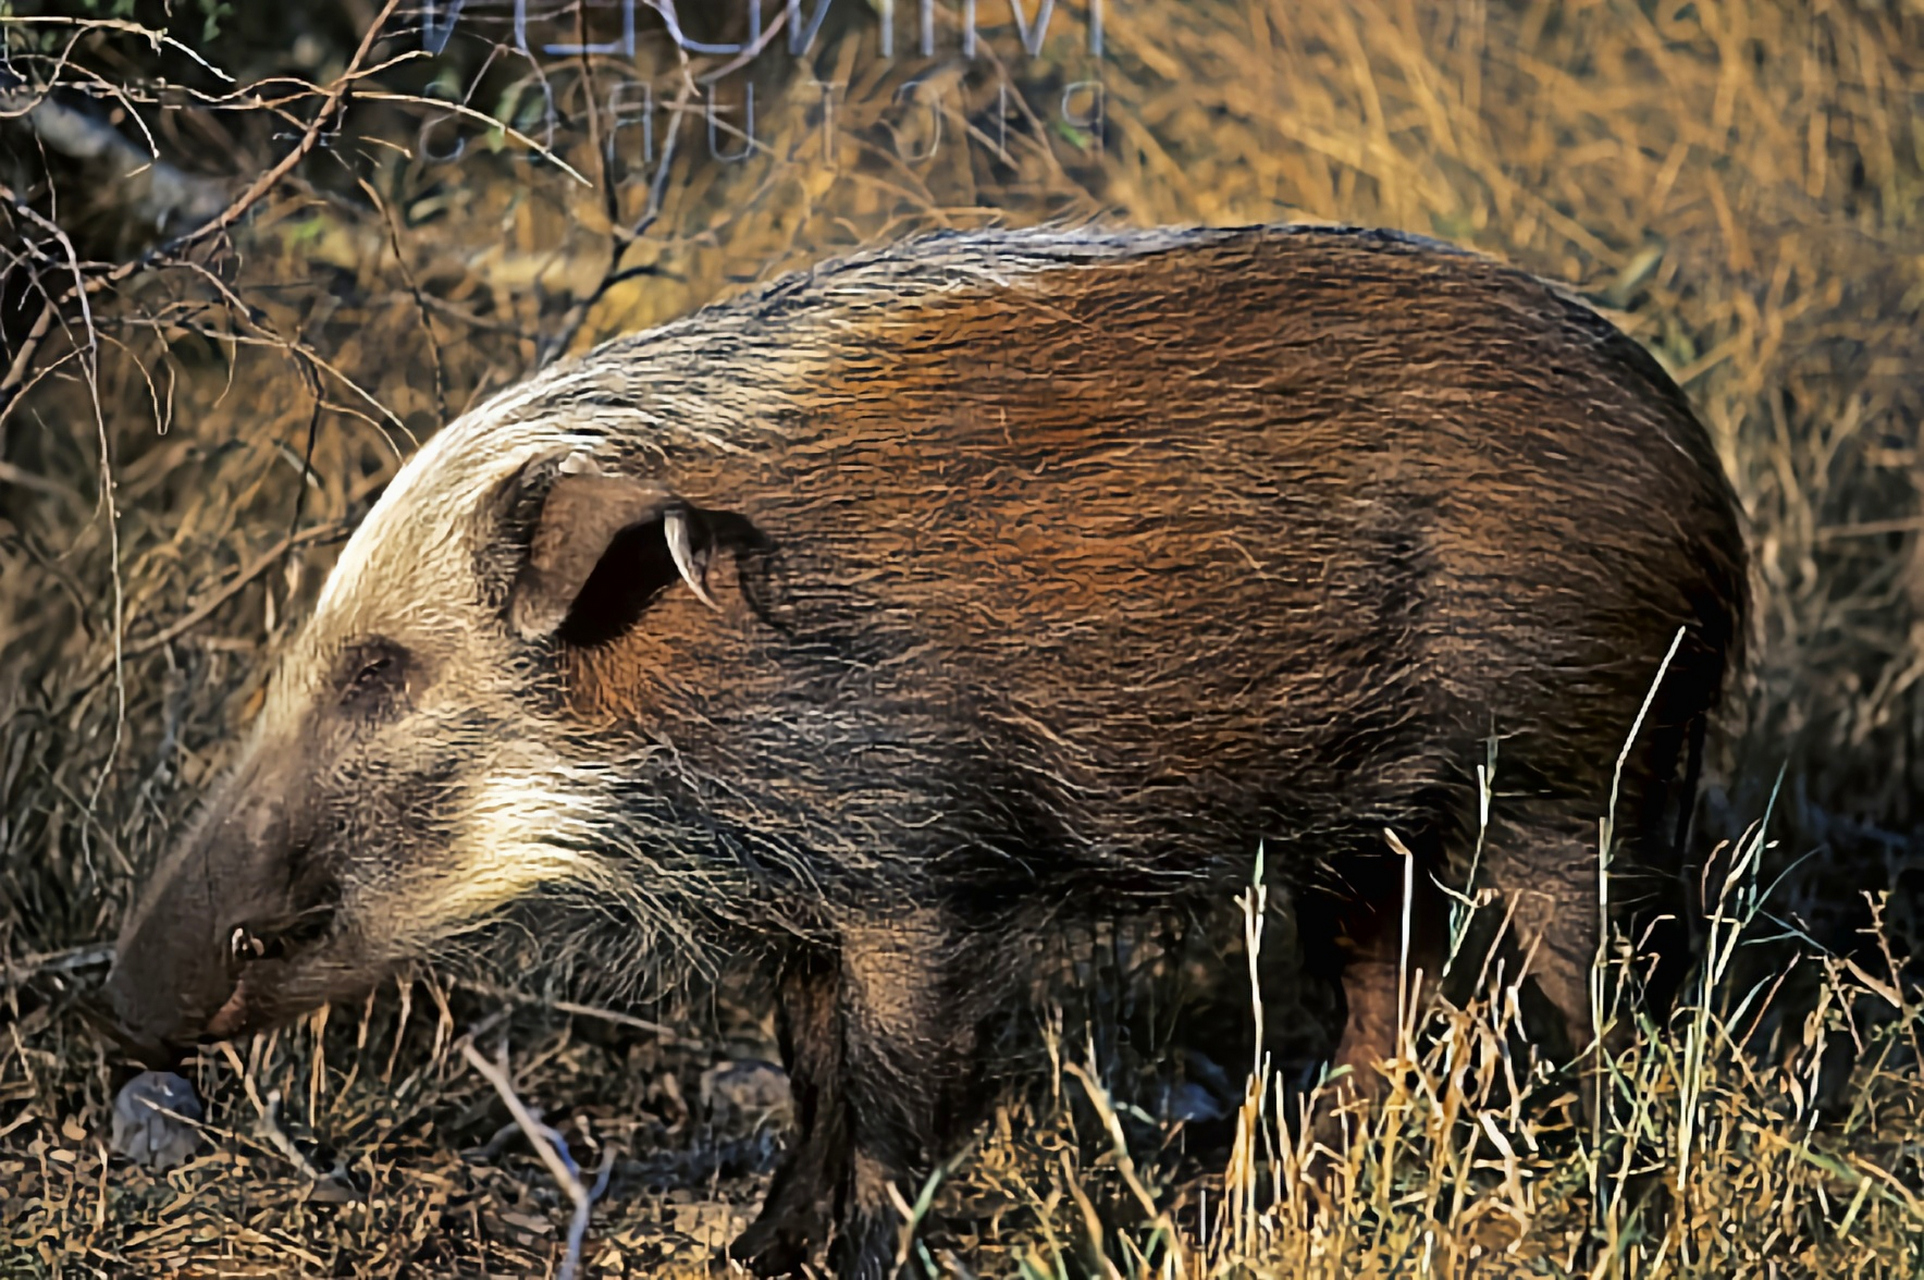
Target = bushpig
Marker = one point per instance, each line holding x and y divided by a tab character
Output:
877	618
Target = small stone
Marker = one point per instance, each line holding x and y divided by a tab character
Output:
144	1132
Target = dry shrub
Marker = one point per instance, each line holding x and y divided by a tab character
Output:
1735	181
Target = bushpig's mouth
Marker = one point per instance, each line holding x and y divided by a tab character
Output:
159	1024
231	1017
241	1013
161	1050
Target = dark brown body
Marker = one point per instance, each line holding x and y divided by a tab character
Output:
1054	571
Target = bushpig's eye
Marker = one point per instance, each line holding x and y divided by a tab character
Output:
370	669
372	672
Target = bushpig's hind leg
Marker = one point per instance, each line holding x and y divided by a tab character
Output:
1355	939
1542	861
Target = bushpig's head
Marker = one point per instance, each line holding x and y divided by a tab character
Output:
409	774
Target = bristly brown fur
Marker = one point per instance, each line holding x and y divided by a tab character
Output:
1050	571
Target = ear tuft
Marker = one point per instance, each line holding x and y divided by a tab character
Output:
691	562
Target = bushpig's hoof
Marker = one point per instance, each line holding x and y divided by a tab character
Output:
779	1246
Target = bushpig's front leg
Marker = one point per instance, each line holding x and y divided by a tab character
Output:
805	1195
880	1042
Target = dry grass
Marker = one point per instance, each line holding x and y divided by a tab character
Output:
1738	181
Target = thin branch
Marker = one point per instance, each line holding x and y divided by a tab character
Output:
336	96
470	113
155	37
393	227
667	1034
549	1146
157	193
255	568
88	956
82	286
619	242
89	352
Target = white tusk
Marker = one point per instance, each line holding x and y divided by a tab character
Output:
674	526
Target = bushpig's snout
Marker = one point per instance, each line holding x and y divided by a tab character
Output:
223	914
169	980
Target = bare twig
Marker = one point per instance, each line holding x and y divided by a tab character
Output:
155	37
668	1034
254	569
549	1146
23	358
619	241
66	961
89	352
153	191
415	291
83	285
469	113
336	96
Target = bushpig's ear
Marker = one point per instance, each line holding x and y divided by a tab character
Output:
603	547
